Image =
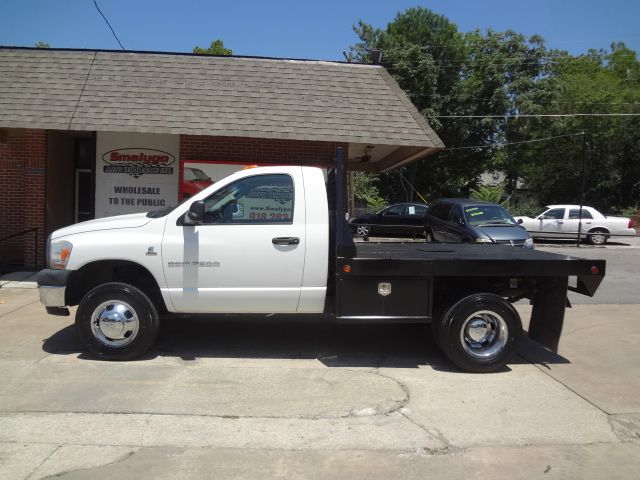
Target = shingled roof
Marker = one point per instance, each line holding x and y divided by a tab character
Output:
207	95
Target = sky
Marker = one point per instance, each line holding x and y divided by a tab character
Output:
319	29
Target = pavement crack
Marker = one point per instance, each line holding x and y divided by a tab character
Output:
123	458
575	392
19	308
58	447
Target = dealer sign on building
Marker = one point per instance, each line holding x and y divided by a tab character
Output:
135	172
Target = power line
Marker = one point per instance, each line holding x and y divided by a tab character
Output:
536	102
528	115
95	2
500	145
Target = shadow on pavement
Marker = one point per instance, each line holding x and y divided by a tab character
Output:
334	345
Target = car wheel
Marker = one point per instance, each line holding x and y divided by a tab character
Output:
363	230
117	321
479	332
597	237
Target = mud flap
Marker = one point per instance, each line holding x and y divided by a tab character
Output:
547	317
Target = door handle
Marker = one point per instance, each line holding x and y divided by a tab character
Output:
285	241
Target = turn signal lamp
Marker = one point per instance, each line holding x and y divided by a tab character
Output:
346	268
59	256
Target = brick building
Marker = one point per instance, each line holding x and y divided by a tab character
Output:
85	133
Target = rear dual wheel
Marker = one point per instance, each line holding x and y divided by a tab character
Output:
479	333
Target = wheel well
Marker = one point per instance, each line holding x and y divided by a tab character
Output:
448	290
96	273
598	229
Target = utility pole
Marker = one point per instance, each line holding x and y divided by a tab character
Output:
585	153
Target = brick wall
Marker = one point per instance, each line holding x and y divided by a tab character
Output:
258	151
23	158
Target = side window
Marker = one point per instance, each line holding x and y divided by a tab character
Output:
258	199
456	215
574	214
441	211
554	214
397	210
416	210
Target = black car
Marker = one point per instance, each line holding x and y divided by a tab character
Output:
469	220
398	220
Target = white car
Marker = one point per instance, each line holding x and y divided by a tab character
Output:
562	221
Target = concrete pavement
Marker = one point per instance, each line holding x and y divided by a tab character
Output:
278	399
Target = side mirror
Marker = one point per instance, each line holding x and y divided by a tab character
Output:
520	221
195	215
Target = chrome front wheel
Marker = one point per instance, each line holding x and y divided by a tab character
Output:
115	323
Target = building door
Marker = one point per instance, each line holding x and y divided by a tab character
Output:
84	188
83	210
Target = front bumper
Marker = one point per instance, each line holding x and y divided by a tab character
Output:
52	286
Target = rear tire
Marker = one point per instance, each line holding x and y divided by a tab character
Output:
479	332
117	321
597	237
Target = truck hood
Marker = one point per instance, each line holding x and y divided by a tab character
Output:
504	232
133	220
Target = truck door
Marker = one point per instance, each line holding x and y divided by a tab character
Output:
247	256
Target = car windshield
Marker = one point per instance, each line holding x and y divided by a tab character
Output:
487	215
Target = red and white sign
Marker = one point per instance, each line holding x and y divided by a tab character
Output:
135	172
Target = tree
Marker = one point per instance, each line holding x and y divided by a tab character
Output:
215	48
473	88
447	73
41	44
599	82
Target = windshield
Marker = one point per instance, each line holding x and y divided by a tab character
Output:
478	215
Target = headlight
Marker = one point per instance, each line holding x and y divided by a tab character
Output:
59	254
483	240
528	243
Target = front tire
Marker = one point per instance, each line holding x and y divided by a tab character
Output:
363	230
117	321
479	332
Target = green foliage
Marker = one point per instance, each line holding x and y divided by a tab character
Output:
366	189
524	209
215	48
483	73
41	44
489	193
